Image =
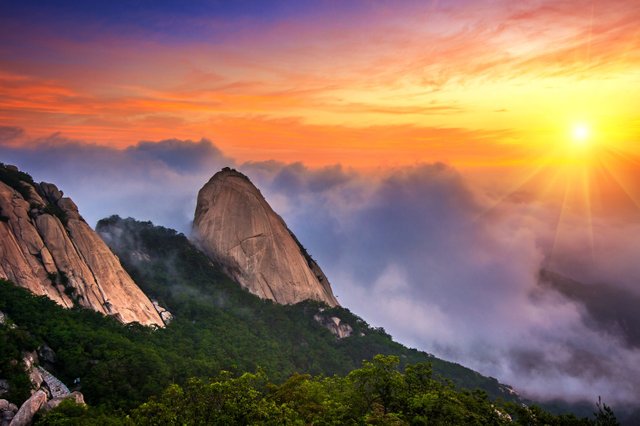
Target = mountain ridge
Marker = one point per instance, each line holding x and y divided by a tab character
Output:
48	248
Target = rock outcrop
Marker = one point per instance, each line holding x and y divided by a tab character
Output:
335	325
47	391
30	407
7	412
47	248
235	226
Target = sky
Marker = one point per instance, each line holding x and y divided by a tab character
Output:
433	156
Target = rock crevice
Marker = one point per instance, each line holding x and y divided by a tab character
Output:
48	248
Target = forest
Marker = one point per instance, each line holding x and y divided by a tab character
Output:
228	357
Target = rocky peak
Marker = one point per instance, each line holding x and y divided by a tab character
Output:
48	248
236	227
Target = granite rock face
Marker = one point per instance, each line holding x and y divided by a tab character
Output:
30	407
335	325
48	248
235	226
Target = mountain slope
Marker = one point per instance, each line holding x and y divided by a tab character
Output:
283	339
236	226
46	247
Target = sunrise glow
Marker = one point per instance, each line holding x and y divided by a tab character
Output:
436	158
581	135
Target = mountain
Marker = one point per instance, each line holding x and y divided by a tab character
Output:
48	248
227	357
235	226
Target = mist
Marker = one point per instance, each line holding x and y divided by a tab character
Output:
421	251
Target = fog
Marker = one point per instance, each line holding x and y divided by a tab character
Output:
420	251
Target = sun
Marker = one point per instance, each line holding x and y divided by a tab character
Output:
581	135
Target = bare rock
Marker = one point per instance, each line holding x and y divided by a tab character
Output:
25	414
235	226
76	397
50	192
29	359
35	378
7	406
164	314
334	325
47	248
47	356
56	388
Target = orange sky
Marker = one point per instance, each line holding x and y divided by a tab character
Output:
474	84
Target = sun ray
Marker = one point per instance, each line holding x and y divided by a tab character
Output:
613	173
530	177
563	208
586	195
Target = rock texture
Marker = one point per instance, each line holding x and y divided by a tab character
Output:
7	412
335	325
47	390
237	228
46	247
30	407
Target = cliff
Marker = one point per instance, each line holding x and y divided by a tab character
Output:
46	247
235	226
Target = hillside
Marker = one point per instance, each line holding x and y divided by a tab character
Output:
218	326
281	339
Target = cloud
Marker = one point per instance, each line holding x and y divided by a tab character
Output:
414	250
419	251
182	156
156	181
10	133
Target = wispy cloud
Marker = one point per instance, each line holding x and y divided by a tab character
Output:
418	65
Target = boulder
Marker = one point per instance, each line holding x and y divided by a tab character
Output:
76	397
7	406
164	314
25	414
335	325
47	356
29	359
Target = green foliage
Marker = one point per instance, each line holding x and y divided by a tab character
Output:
219	326
121	366
16	180
12	341
378	393
55	210
604	415
282	339
68	413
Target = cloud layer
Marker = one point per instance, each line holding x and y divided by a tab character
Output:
419	251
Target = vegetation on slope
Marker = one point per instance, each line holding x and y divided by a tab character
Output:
281	339
377	393
129	373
